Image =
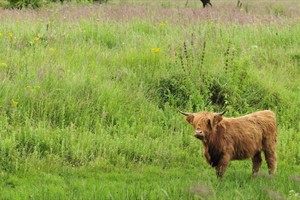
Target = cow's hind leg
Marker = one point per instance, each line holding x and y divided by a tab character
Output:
256	161
269	148
270	155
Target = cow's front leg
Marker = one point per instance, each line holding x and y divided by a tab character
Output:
256	160
222	165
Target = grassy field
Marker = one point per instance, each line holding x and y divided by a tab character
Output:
89	97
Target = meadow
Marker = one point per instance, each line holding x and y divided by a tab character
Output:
90	93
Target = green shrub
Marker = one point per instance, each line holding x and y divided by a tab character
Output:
92	1
174	90
20	4
24	4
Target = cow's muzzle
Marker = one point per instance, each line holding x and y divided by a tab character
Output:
199	134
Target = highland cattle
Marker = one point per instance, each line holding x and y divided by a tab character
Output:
225	139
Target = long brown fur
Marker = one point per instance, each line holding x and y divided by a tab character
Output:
226	139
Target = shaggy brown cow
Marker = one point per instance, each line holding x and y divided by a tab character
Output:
226	139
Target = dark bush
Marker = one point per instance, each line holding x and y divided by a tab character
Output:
20	4
24	4
217	93
174	90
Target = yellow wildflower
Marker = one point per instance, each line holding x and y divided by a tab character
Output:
14	103
162	24
36	38
155	49
0	34
10	35
31	89
38	87
3	64
51	49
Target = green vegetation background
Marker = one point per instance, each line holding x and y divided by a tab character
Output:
89	99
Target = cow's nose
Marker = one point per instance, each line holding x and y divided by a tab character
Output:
199	134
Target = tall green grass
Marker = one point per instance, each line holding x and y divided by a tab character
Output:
93	105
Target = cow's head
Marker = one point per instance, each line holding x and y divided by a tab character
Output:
204	123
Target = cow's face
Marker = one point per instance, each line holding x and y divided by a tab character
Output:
204	123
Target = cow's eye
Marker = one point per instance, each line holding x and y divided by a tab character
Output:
208	122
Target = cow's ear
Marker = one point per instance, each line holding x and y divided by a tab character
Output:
217	119
190	119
